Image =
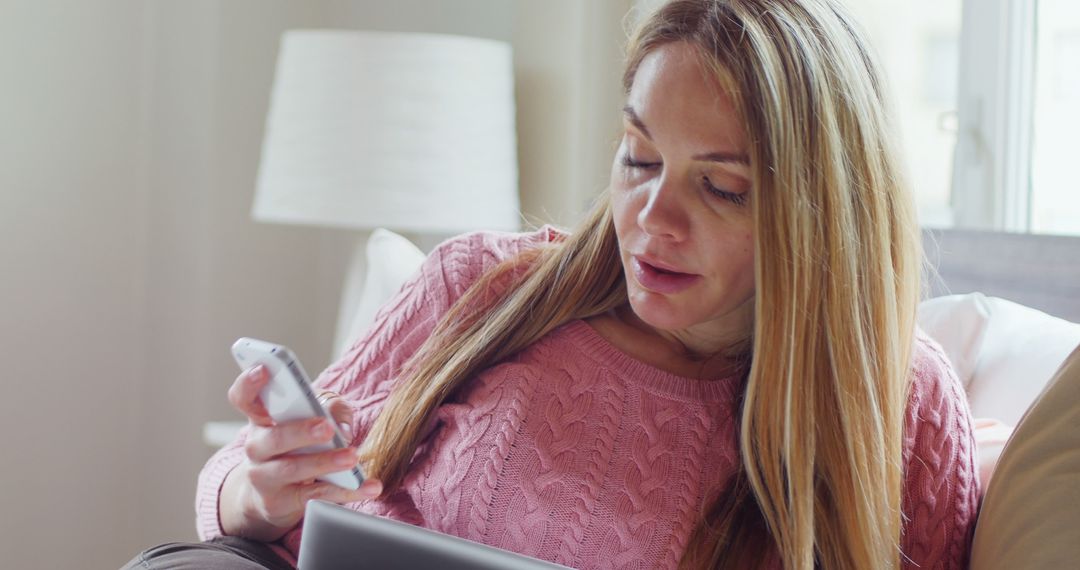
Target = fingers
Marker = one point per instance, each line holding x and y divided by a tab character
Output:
277	482
283	509
369	489
270	442
289	470
244	395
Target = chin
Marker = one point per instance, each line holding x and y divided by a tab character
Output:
685	311
659	311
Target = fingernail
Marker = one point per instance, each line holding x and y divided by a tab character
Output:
320	429
256	373
346	459
346	431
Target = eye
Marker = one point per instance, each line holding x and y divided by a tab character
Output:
737	199
734	198
630	162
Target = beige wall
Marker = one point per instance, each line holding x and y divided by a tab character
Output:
129	137
568	56
71	279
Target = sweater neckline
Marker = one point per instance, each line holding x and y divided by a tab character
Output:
584	338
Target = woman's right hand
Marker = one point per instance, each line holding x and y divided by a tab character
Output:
264	497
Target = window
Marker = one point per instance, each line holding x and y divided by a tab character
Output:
918	44
987	94
1055	192
1016	115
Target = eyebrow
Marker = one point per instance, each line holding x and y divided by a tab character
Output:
735	157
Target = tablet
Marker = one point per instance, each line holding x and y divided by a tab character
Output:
338	538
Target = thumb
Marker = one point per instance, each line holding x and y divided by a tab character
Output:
342	413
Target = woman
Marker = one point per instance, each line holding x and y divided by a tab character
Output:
718	368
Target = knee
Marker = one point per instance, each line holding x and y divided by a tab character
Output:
192	556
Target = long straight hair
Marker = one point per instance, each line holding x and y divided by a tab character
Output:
837	272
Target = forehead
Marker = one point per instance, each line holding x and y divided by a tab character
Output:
680	98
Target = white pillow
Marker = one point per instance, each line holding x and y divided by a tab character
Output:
1004	352
391	261
958	323
1021	351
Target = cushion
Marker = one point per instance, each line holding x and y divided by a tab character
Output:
990	438
1003	352
958	323
1022	349
391	261
1029	514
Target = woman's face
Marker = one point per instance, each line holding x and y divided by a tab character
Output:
680	193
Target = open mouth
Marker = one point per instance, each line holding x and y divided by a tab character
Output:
662	271
662	280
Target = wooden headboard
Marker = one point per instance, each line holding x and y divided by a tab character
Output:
1040	271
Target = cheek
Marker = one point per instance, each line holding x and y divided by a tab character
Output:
623	213
746	259
746	246
734	262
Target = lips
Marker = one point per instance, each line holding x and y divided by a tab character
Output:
659	277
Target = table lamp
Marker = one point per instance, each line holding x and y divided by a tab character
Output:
406	131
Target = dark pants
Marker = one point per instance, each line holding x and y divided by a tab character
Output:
220	553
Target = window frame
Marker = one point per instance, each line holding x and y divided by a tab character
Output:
991	183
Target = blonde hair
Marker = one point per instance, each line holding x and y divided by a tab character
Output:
837	272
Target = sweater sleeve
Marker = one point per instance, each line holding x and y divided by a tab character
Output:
366	373
940	502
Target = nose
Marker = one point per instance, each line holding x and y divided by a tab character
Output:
663	214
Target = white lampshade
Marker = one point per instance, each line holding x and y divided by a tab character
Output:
408	131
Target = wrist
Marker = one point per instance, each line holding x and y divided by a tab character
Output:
231	512
238	512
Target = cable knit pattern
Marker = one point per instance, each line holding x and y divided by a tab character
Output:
491	472
941	497
687	495
575	452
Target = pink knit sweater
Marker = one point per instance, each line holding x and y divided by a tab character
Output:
573	451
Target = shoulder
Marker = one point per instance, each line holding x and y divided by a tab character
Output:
491	247
928	358
937	413
934	383
941	481
459	261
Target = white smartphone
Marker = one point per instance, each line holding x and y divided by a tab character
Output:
288	397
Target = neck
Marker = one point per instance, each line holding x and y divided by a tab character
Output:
691	344
687	353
